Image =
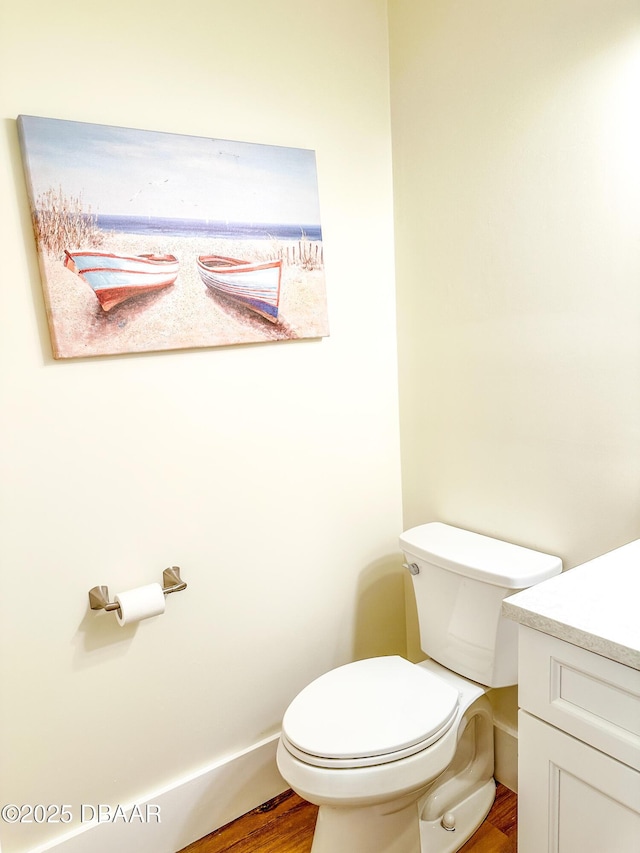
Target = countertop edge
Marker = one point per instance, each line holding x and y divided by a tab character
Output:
577	637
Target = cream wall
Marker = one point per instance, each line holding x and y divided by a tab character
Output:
516	134
270	474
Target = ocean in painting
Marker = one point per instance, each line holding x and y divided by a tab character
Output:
206	228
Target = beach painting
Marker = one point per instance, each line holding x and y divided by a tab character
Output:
153	241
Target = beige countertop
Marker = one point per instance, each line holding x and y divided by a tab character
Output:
595	606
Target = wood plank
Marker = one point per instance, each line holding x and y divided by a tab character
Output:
285	820
488	839
504	812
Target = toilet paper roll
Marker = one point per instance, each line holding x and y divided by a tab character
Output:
140	603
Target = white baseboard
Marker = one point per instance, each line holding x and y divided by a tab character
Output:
188	809
505	740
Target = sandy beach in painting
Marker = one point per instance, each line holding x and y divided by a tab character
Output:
185	315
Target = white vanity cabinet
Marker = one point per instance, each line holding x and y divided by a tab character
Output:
579	750
579	701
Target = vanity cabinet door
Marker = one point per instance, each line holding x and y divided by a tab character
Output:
573	798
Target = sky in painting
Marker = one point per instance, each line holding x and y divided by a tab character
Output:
122	171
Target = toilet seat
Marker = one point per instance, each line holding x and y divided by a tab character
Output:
370	712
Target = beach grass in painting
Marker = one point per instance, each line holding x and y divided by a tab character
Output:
117	194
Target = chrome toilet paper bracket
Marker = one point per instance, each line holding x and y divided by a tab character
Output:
171	582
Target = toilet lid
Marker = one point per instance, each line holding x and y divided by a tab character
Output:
371	711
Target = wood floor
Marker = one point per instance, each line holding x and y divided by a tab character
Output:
285	825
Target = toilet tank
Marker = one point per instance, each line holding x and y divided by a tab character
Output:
461	580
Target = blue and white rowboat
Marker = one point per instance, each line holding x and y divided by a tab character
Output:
255	285
115	278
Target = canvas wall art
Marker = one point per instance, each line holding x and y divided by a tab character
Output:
152	241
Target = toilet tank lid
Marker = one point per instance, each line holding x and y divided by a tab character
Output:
479	557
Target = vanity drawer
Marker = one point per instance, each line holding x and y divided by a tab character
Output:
589	696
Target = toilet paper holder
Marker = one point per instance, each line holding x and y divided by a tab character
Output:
171	582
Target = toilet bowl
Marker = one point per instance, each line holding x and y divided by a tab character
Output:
392	729
399	756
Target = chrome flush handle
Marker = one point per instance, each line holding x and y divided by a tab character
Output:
413	568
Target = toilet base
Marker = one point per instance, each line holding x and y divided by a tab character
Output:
397	828
468	815
386	828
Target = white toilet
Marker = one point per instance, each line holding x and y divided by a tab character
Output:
399	756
